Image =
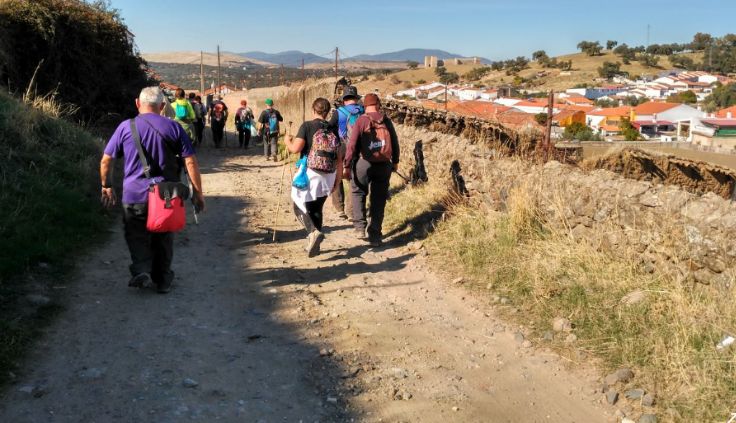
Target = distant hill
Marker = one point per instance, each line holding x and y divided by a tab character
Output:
415	54
188	57
291	58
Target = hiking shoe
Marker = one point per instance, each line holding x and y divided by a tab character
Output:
140	280
315	239
164	287
360	233
375	244
342	216
275	157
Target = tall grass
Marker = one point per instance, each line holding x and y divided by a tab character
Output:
669	338
48	209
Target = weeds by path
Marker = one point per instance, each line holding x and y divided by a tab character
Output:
668	338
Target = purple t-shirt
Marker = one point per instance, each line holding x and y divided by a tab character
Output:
161	155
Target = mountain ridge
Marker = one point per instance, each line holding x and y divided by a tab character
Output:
294	57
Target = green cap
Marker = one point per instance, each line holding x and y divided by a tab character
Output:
269	102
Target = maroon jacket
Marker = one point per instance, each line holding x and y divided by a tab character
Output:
359	136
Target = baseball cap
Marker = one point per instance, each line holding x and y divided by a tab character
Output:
371	99
269	102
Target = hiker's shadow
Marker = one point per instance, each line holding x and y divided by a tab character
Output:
276	277
264	235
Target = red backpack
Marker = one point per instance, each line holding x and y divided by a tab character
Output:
375	145
324	150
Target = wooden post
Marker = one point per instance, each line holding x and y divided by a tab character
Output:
550	107
217	90
201	74
282	74
336	56
303	79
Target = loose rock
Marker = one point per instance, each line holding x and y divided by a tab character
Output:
612	397
561	324
190	383
648	418
518	337
623	376
634	394
648	400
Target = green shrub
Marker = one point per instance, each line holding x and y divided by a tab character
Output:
78	49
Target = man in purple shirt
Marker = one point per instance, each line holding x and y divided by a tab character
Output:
151	253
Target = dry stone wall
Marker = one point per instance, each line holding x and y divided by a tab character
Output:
687	236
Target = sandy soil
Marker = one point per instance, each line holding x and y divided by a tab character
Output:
268	335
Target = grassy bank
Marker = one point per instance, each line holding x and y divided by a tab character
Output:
669	338
48	211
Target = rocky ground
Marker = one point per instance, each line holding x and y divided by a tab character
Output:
254	331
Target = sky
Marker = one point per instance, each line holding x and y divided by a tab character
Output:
492	29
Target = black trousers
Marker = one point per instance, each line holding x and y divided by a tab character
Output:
150	252
312	219
198	131
218	131
373	178
270	144
243	138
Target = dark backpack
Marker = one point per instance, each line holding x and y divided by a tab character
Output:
375	146
198	112
324	151
273	122
350	121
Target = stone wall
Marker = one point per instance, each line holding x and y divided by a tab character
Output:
686	236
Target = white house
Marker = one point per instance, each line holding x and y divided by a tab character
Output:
595	93
412	92
489	95
670	112
468	94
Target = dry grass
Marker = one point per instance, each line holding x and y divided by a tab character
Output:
668	339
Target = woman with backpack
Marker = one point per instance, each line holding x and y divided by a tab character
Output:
319	143
184	113
242	123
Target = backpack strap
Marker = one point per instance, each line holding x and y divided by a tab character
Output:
141	152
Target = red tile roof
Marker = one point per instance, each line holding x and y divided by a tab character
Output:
650	108
723	113
623	111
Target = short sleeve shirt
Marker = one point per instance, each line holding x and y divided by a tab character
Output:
161	154
266	114
307	131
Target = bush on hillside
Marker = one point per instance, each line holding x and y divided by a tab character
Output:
80	50
46	173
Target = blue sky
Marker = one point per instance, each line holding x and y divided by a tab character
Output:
493	29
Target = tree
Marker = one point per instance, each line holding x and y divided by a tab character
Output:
649	60
541	118
610	44
449	78
686	97
628	131
721	57
440	70
701	41
412	64
497	66
682	62
590	48
609	69
537	55
420	81
633	101
723	97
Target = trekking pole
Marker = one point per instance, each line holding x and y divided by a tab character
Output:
401	176
278	207
281	189
191	194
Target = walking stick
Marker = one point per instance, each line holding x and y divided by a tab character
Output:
281	189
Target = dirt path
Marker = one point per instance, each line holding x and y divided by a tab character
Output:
270	336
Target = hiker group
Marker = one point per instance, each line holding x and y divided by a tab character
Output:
357	144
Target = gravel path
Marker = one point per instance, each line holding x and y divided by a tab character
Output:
253	331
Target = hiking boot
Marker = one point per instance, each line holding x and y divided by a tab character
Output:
360	234
375	243
275	157
164	287
342	216
140	280
315	239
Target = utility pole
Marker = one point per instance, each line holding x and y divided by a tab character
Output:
550	106
219	87
256	80
649	27
336	56
445	97
269	79
710	59
303	80
282	74
201	74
